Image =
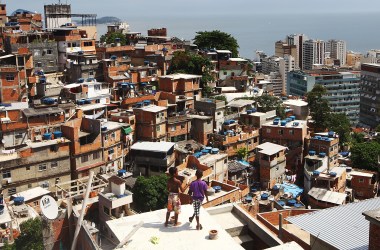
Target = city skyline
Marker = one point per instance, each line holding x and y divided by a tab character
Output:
256	26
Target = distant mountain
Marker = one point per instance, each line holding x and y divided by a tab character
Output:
107	19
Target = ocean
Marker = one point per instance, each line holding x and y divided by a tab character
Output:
261	31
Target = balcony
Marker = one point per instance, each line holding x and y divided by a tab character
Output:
273	162
112	201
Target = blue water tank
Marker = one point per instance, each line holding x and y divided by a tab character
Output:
113	57
264	196
316	173
248	198
121	172
332	174
254	110
204	152
291	202
249	111
322	154
288	119
18	200
281	203
87	101
292	117
275	122
47	136
80	80
214	150
253	189
104	128
147	102
311	152
283	123
57	134
217	188
298	205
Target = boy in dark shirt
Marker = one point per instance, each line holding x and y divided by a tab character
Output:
198	190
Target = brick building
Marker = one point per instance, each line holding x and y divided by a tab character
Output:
186	88
272	163
151	123
289	133
85	147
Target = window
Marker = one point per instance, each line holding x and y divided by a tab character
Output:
11	191
291	132
49	51
106	137
19	136
209	122
95	155
280	132
268	130
183	126
97	87
106	210
113	135
29	185
54	164
51	64
39	64
84	158
10	77
172	128
42	167
57	180
158	115
7	174
158	128
91	74
225	73
45	184
361	180
27	168
36	53
87	44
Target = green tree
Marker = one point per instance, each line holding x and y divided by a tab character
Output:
216	39
319	107
357	138
110	38
150	193
365	155
267	103
340	124
31	235
190	63
242	153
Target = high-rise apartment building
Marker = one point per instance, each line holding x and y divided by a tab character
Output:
313	53
372	56
370	95
297	40
342	89
338	50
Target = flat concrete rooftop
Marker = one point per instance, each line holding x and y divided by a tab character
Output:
184	236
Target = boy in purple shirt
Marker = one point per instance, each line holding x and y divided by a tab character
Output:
198	190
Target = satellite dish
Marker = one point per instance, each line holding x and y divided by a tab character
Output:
49	207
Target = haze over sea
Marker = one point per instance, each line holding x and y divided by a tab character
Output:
255	24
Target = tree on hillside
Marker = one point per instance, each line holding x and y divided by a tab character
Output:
267	103
30	237
150	193
365	155
111	38
216	39
190	63
319	107
340	124
242	153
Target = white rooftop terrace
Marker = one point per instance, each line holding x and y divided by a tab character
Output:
184	236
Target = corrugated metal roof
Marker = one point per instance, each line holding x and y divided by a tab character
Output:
321	194
343	227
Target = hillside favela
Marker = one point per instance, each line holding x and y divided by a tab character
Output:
117	138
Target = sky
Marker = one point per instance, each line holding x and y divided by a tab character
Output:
202	7
256	24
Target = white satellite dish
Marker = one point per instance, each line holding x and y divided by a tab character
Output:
49	207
